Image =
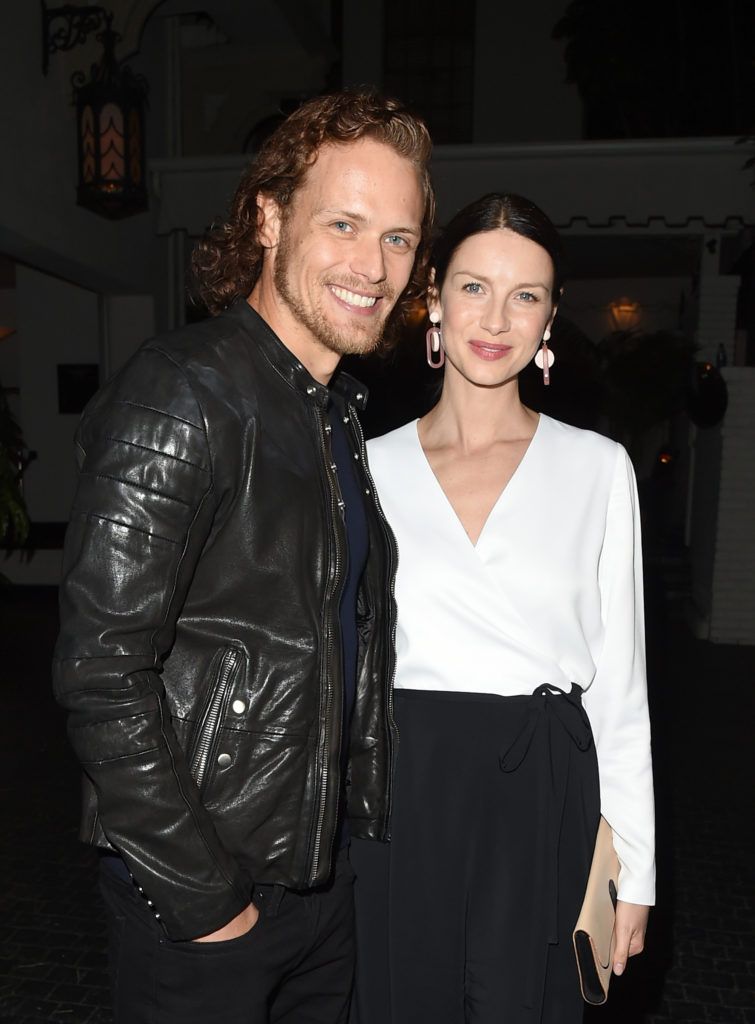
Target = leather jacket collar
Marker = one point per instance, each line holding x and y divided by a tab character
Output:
286	365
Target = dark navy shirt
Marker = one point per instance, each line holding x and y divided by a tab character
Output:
357	544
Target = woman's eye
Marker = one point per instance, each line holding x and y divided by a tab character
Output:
472	287
528	296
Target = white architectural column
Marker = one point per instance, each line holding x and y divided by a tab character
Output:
722	541
732	612
717	305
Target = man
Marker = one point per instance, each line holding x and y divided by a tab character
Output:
226	645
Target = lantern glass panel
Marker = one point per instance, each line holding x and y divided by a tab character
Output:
88	145
113	163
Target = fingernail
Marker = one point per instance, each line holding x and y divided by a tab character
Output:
618	968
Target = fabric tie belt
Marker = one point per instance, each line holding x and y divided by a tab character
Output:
556	714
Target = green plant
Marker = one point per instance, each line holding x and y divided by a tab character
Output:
14	519
646	377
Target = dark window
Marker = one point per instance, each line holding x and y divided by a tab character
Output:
429	63
77	382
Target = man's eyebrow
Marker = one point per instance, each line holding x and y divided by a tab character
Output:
406	231
344	213
361	219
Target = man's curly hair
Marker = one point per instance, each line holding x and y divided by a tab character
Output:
228	260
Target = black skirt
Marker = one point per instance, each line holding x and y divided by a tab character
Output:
466	916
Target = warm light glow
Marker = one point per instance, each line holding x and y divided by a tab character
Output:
415	312
5	332
665	458
625	313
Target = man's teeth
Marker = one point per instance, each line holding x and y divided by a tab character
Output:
353	299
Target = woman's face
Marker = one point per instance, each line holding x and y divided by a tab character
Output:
495	304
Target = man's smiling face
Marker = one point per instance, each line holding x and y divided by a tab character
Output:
343	251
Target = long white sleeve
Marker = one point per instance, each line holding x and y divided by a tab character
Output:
616	702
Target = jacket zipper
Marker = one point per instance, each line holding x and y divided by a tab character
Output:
205	743
337	509
392	569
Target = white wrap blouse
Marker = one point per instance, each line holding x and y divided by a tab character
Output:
550	593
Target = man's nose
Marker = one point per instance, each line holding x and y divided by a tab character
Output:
368	259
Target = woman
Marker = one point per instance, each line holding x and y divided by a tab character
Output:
520	663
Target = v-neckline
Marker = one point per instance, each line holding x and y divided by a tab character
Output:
475	545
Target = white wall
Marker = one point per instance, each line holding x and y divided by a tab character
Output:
58	323
39	220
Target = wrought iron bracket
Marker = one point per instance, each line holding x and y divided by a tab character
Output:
68	26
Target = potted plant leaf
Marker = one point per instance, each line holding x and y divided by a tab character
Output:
14	519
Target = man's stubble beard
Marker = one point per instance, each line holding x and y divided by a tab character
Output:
359	342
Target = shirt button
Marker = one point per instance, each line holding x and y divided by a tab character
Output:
366	490
224	760
239	707
356	455
311	390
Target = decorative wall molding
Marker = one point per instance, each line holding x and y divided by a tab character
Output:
685	186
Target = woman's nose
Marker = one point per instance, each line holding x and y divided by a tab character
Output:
495	320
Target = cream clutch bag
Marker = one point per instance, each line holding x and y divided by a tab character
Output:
595	932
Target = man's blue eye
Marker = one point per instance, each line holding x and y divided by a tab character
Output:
396	240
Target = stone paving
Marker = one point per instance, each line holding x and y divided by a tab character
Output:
699	966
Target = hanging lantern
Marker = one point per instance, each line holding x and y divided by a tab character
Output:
625	314
110	125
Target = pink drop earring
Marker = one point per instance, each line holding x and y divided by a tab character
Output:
436	357
544	358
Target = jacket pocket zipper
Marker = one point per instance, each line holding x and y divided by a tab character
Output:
208	729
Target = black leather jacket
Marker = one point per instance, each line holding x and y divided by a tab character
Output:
199	656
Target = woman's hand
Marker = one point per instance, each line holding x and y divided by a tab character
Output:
631	923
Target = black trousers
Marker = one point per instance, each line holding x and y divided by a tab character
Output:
294	967
466	916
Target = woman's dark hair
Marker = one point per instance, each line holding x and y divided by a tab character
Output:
498	210
227	261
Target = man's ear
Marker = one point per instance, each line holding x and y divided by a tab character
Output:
268	221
